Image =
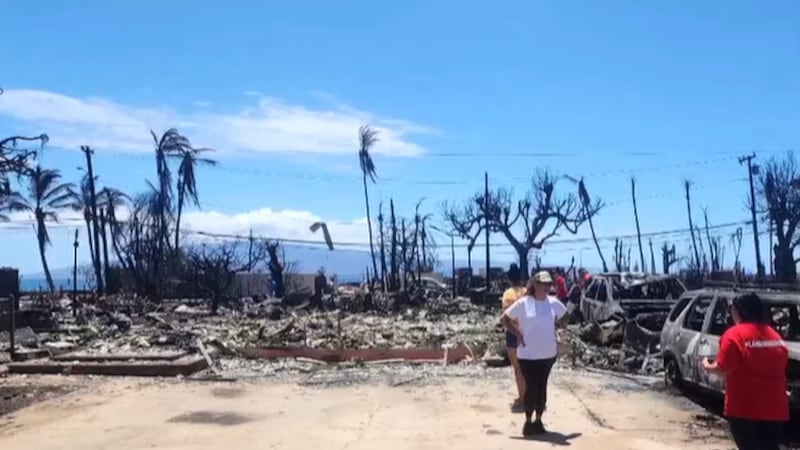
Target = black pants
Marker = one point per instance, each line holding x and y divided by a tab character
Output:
536	372
756	434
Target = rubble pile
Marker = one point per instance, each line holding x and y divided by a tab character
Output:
113	327
270	324
582	348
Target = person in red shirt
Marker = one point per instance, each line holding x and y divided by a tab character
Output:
561	286
753	358
584	278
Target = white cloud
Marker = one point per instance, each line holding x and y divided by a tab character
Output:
265	222
269	125
283	224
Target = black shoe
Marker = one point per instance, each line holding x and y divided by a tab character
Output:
528	429
538	427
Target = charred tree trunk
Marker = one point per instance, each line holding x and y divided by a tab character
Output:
668	257
104	238
95	226
597	245
383	246
404	253
424	236
522	257
87	217
416	248
369	226
652	258
638	230
687	186
619	258
394	276
41	236
181	199
585	199
713	245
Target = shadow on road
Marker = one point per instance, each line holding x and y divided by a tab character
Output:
714	403
552	437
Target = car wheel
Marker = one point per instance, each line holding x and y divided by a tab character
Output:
672	373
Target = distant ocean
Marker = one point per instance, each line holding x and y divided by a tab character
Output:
30	284
34	283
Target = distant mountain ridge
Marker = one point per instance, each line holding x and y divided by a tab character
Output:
347	264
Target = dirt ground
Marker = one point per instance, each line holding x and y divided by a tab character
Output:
587	411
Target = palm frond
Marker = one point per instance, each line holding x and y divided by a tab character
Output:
187	180
367	138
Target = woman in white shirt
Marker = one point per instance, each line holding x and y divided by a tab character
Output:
533	319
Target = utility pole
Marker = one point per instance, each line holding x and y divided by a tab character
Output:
250	252
453	261
12	326
95	229
75	275
751	170
486	223
771	248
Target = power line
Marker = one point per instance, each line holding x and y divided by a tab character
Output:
553	246
76	220
438	182
553	154
607	204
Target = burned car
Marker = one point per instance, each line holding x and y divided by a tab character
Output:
696	323
629	309
626	295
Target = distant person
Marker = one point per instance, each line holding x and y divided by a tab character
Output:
753	358
561	285
320	283
533	320
510	296
584	277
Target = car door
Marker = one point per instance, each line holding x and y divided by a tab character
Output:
591	301
689	335
718	321
673	324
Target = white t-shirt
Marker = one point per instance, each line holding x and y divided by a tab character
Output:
537	323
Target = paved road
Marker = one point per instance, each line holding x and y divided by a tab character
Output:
587	411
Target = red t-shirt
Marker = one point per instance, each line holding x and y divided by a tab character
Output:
587	277
754	359
561	287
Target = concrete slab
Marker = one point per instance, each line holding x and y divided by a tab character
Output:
450	356
184	366
29	355
92	357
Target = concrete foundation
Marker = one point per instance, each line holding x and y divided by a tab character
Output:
184	366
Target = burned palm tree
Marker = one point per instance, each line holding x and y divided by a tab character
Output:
108	201
45	197
368	138
394	266
15	160
736	243
638	229
382	244
586	205
416	247
170	144
84	205
687	185
190	159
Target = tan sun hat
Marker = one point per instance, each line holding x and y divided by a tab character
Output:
542	277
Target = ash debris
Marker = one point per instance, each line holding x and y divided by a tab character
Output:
349	318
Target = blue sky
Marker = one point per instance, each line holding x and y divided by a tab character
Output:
663	90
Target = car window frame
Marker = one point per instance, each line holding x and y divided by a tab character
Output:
677	310
719	299
697	300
